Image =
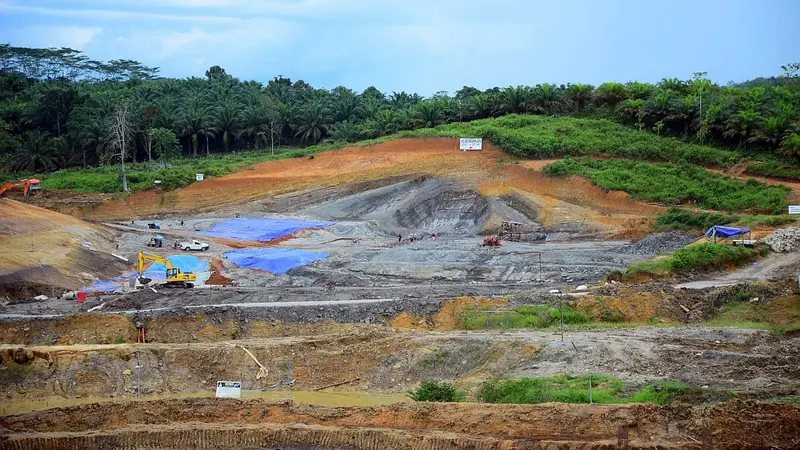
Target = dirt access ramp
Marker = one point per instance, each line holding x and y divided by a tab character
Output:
228	423
42	248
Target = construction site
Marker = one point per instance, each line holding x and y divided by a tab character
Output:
328	287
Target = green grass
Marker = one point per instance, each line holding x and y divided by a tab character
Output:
768	220
536	316
675	184
141	176
702	257
678	219
531	136
436	391
572	389
773	169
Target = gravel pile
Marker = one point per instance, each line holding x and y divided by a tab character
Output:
658	243
784	240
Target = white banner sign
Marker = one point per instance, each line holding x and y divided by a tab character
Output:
794	209
198	176
471	144
229	389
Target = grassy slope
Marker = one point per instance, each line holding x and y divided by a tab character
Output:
675	184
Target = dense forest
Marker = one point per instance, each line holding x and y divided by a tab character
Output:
59	109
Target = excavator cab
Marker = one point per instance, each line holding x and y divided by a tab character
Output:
32	185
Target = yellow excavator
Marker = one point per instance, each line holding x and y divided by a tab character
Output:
175	278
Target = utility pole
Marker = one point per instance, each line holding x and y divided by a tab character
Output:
138	376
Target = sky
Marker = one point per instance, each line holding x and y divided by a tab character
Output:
422	46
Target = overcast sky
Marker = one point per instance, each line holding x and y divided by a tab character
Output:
423	45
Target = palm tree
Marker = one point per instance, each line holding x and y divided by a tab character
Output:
772	132
35	152
427	114
255	124
515	99
192	122
346	131
639	91
93	136
312	121
742	124
790	145
579	94
548	98
227	120
611	94
346	106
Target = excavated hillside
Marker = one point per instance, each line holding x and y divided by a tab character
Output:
43	250
476	178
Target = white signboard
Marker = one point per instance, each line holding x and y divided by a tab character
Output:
229	389
794	209
471	144
198	176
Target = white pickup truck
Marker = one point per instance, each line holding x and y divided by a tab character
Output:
192	246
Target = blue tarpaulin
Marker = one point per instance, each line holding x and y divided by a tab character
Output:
101	286
724	232
186	263
274	260
262	230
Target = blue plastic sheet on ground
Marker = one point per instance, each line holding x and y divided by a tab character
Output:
723	232
186	263
274	260
261	230
101	286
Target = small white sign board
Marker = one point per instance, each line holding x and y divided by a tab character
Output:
199	176
229	389
794	209
471	144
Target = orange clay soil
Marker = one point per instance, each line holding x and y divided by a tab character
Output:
489	171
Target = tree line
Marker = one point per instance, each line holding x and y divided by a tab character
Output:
60	109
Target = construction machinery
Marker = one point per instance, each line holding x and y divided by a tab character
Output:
492	241
175	278
27	186
156	241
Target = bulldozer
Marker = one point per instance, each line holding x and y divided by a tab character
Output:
26	185
175	278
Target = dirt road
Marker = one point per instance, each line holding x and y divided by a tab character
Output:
773	267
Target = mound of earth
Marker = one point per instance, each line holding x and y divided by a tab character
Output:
45	252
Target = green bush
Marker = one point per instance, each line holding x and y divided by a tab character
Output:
704	257
708	256
774	169
532	136
437	391
768	220
678	219
674	184
526	316
575	389
559	388
660	393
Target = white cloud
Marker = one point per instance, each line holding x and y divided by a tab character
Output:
54	36
114	14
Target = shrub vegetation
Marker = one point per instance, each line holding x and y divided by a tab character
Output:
673	184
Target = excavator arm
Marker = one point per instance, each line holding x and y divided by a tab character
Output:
27	186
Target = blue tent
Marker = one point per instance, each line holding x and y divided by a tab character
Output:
725	232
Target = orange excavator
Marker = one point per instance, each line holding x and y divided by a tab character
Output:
26	185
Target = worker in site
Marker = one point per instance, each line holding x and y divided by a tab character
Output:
399	237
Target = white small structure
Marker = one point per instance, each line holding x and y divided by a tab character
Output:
470	144
199	176
229	389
